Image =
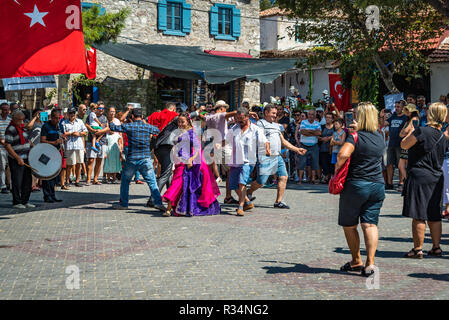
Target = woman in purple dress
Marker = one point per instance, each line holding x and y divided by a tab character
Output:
193	191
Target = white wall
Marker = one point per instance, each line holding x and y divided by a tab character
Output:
268	33
286	39
280	86
439	80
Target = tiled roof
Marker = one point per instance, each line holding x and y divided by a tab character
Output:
441	54
275	11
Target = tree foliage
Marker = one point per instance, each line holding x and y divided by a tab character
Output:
102	28
441	5
265	4
398	46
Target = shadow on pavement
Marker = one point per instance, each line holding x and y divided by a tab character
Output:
379	254
410	240
76	199
302	268
439	277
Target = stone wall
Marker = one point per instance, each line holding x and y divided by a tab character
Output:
141	26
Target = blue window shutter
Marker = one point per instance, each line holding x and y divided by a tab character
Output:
95	94
186	16
162	15
236	22
214	21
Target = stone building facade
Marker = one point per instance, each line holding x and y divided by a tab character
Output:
121	81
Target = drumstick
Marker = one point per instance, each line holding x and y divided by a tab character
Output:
27	165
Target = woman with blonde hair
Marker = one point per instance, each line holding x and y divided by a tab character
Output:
423	188
364	190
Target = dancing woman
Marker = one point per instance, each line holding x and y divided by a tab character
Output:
193	191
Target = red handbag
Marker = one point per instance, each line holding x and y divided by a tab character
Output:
337	182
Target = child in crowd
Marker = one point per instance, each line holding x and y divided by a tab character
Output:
338	139
96	125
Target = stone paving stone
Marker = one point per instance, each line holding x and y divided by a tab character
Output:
268	254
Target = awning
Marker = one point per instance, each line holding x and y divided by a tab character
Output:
228	54
192	63
24	83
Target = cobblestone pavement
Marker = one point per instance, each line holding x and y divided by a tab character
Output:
268	254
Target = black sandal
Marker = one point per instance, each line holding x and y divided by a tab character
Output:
348	267
434	253
414	254
367	273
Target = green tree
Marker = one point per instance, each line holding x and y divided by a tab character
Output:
97	28
395	47
265	4
102	28
440	5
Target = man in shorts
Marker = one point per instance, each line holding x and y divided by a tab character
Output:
274	163
246	140
74	131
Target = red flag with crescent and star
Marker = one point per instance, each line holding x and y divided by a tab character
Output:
41	37
91	57
341	95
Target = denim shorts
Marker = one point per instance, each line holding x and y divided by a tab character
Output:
360	200
314	153
269	166
239	175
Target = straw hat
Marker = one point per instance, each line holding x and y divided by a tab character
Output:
221	103
411	108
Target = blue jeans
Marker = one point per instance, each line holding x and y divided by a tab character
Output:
125	151
145	167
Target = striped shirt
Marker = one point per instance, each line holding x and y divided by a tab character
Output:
12	137
309	140
3	125
139	134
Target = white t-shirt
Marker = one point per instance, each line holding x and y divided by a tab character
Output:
92	120
273	133
245	145
217	121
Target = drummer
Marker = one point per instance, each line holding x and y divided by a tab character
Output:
18	146
50	134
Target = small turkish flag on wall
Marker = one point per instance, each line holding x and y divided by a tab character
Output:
341	95
91	57
41	37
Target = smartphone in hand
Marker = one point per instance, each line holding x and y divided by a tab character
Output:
349	119
44	116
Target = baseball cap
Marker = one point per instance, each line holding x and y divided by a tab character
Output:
325	92
71	110
137	112
319	109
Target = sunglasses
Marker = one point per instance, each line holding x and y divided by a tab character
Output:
100	108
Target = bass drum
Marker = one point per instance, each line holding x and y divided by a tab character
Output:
45	160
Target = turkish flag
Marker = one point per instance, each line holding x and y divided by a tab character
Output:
341	95
41	37
91	57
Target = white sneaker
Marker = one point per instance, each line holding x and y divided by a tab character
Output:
30	205
19	206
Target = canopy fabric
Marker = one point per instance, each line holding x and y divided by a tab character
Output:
24	83
192	63
229	54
